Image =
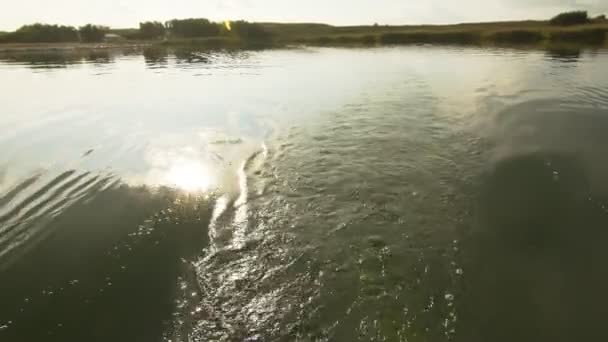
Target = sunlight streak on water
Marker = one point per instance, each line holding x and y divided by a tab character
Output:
241	216
219	208
189	175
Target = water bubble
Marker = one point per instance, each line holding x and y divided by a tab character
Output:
459	271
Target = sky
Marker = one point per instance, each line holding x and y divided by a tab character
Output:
128	13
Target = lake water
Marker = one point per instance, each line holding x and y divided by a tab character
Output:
392	194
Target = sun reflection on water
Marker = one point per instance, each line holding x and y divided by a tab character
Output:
189	175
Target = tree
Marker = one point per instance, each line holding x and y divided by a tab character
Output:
92	33
191	28
43	33
151	30
570	18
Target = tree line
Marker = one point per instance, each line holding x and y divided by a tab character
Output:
44	33
176	28
574	18
200	28
244	31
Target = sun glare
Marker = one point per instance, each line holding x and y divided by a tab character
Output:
191	176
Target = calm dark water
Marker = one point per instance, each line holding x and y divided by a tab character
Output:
401	194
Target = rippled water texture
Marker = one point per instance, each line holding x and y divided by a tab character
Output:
400	194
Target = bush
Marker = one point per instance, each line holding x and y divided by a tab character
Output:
588	36
92	33
368	40
129	34
397	38
452	37
346	40
151	30
191	28
4	37
570	18
42	33
251	31
516	36
204	43
324	40
600	18
355	40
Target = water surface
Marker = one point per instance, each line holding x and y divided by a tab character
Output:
392	194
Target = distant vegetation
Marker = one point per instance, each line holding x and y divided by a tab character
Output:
251	31
569	27
191	28
455	37
587	36
92	33
151	30
516	36
342	40
41	33
570	18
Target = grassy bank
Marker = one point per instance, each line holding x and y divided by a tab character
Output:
507	33
528	33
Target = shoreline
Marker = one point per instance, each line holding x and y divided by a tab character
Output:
71	47
528	34
202	46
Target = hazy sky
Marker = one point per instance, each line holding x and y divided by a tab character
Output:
128	13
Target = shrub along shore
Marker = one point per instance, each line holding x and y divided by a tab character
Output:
565	28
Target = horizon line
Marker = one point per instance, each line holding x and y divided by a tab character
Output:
265	21
297	23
